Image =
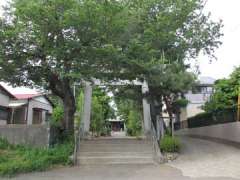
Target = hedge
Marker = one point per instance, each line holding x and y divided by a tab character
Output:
207	119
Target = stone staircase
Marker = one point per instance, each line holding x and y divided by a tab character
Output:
115	151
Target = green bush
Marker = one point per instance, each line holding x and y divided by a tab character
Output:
134	125
4	144
21	159
212	118
57	116
170	144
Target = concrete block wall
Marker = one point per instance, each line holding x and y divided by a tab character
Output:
226	132
32	135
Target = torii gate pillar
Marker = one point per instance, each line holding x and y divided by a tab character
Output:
146	110
87	107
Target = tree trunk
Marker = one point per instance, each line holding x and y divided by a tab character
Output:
69	111
62	89
170	113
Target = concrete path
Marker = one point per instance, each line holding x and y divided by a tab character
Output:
113	172
202	158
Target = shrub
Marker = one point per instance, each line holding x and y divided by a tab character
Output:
4	144
57	116
212	118
22	159
134	125
170	144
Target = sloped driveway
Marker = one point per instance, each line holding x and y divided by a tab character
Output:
202	158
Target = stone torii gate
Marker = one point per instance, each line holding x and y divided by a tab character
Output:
86	117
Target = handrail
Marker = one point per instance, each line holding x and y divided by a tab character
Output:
156	148
79	133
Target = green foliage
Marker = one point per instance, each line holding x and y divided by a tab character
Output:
62	41
22	159
134	123
101	112
225	93
97	119
181	103
57	116
80	106
170	144
129	110
4	144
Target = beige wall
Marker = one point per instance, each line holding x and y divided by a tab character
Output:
190	111
194	109
227	132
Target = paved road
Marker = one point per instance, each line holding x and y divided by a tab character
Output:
200	160
116	172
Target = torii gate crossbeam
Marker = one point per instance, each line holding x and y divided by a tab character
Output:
86	117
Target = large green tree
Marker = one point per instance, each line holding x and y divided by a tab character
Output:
56	42
170	34
53	43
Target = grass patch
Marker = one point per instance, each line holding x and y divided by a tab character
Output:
21	159
170	144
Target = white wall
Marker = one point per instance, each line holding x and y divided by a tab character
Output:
227	132
38	103
4	100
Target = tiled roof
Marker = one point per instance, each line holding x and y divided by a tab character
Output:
26	96
6	91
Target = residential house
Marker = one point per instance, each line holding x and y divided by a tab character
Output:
23	108
197	97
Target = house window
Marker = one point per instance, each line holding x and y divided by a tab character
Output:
4	113
197	90
48	116
19	116
37	116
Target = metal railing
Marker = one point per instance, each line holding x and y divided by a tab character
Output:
155	136
78	135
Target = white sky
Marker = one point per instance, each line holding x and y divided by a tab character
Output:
227	54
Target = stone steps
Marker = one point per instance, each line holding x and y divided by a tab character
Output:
112	154
115	151
115	160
